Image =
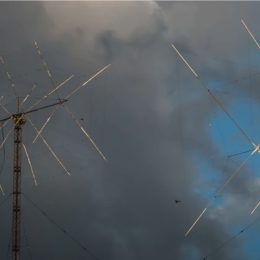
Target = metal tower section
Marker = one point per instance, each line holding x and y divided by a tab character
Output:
16	219
19	119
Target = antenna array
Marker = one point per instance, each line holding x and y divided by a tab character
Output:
19	119
255	147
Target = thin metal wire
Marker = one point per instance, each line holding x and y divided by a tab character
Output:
229	115
240	153
215	99
86	82
223	244
213	96
63	230
218	191
235	173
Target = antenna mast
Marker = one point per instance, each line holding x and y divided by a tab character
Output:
19	119
16	220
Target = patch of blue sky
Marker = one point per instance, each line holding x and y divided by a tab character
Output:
208	180
229	140
251	243
257	57
226	136
216	85
249	238
190	252
247	63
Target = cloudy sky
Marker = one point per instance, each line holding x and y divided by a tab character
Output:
163	135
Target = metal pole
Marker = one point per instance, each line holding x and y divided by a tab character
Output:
16	219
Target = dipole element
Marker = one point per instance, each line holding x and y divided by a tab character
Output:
16	220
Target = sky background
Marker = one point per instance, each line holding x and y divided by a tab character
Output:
164	137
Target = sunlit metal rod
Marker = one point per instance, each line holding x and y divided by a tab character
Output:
48	146
28	95
2	190
214	97
257	205
8	75
30	164
86	82
195	222
250	33
44	125
85	132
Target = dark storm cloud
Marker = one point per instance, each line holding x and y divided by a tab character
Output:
147	113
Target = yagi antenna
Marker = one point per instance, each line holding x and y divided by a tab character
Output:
71	114
214	98
255	148
19	119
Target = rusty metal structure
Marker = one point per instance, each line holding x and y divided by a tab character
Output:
19	119
16	218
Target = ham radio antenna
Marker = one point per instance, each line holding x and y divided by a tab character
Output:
19	118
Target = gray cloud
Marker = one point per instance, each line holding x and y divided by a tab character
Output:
147	113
